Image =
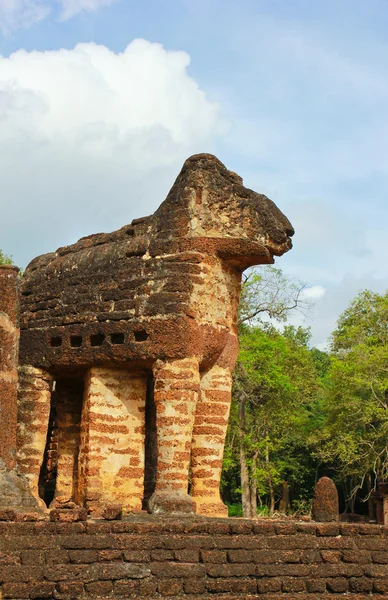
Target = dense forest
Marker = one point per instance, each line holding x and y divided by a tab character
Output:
299	413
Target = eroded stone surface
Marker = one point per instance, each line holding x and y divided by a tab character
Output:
325	502
148	315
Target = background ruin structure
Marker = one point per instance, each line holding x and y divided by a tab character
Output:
128	341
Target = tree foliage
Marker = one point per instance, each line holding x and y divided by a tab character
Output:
298	412
354	436
4	259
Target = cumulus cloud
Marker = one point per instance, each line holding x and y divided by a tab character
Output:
91	139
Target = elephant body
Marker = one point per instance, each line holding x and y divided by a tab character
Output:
138	330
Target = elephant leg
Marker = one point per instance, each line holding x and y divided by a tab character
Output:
175	394
210	426
68	402
111	458
34	396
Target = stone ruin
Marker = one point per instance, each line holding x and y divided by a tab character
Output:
122	389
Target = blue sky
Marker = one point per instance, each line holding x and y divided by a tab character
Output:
293	95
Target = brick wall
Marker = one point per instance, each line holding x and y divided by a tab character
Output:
192	558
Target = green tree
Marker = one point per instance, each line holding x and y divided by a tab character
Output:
4	259
263	387
353	438
274	386
268	291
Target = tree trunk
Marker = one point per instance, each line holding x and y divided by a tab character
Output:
285	501
253	487
271	490
371	504
244	471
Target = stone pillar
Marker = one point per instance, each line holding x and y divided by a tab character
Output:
14	490
111	462
34	398
176	395
210	426
325	507
382	489
9	346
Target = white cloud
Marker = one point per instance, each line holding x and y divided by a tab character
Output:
15	14
72	7
314	293
91	139
21	13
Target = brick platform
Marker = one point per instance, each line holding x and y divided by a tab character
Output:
192	558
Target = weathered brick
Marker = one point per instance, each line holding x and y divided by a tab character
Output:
119	571
285	528
266	585
171	570
72	589
139	542
15	591
306	528
336	570
338	585
126	588
310	556
295	542
263	528
57	557
111	555
77	542
293	584
356	556
217	527
331	556
293	570
67	573
170	587
236	570
240	556
81	557
33	557
380	557
336	543
244	542
10	558
360	585
138	556
162	555
325	529
98	527
70	528
99	588
315	585
239	526
376	570
214	556
179	542
44	589
187	555
239	586
380	585
371	543
26	542
194	586
20	574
